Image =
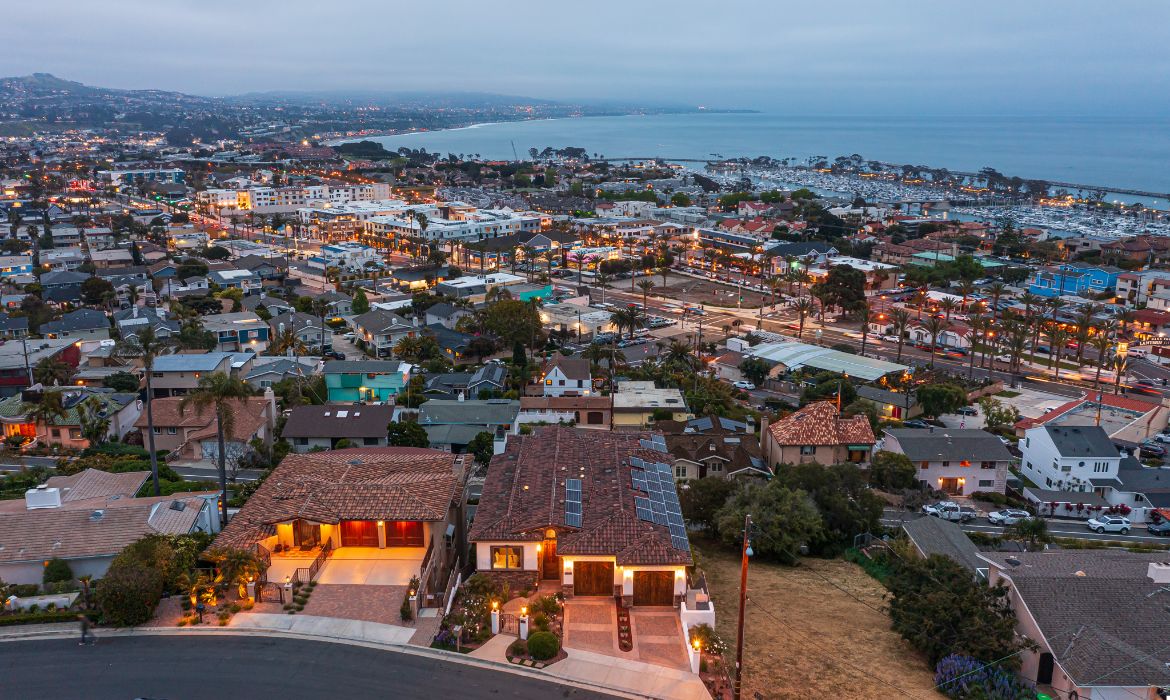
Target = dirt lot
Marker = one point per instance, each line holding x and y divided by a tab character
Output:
818	641
703	291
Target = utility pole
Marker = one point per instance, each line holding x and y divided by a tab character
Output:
737	688
27	369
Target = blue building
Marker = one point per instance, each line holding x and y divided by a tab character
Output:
1073	278
13	265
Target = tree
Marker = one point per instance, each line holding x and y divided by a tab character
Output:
128	594
901	323
784	519
680	199
934	326
803	307
1031	530
843	287
94	291
217	252
701	500
123	382
937	399
52	372
482	446
940	608
407	434
286	341
996	415
147	345
45	412
755	369
513	321
57	571
95	428
220	393
892	471
645	285
361	304
843	499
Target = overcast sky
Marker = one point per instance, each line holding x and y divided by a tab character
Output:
825	57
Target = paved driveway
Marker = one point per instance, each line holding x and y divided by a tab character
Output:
591	625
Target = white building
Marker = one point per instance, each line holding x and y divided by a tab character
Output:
958	461
1068	458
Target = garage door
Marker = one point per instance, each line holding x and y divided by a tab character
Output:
593	578
359	533
653	588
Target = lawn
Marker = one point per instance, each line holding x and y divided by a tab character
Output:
818	641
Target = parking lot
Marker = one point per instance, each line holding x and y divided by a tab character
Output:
706	291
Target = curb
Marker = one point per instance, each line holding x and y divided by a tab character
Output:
426	652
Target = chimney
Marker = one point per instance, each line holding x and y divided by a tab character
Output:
1159	572
134	312
42	497
460	396
271	398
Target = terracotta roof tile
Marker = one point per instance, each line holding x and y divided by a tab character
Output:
818	424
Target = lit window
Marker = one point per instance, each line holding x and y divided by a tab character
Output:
507	557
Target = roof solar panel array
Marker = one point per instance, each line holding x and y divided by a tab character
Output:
660	504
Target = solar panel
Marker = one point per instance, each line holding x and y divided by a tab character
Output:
573	502
638	481
637	462
660	518
573	507
677	530
680	543
675	519
574	520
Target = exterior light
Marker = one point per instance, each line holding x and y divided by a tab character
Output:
495	605
697	644
524	611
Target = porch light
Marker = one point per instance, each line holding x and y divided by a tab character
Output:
412	593
538	548
495	605
697	644
524	611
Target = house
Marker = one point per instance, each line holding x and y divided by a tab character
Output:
13	327
492	377
243	330
62	286
267	371
16	358
323	427
595	513
116	257
130	322
304	327
365	380
15	265
1073	278
1097	617
800	255
726	366
717	452
637	405
891	405
192	436
1073	458
82	324
381	330
190	286
452	425
567	376
60	259
955	460
592	412
397	509
447	385
453	344
246	281
176	375
338	305
267	269
816	433
88	518
80	405
932	536
1128	421
446	314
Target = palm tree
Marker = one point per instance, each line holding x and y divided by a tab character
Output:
285	341
94	427
1102	343
1125	317
864	313
529	253
1016	342
1057	337
630	317
966	288
45	412
919	299
1084	329
979	326
52	372
996	291
678	354
221	393
804	307
645	285
1031	530
900	324
948	306
603	280
934	326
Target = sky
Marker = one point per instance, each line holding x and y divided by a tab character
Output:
829	57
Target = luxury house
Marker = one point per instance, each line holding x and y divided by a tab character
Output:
387	513
190	435
816	433
595	512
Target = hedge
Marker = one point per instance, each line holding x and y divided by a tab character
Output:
543	645
36	618
128	594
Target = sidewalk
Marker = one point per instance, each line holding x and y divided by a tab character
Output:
643	678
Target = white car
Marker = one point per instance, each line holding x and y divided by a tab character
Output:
1008	516
1162	437
949	510
1109	523
748	386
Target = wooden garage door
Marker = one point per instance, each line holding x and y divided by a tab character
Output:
593	578
653	588
359	533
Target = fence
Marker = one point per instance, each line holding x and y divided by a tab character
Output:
426	572
307	574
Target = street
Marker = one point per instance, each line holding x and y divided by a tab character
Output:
195	667
892	517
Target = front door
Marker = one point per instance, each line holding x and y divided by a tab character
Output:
653	588
306	534
551	565
1044	671
593	578
359	533
951	486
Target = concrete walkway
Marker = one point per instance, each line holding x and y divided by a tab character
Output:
494	649
636	676
332	627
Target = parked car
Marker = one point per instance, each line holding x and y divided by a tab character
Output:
1161	529
1162	437
1008	516
744	385
968	411
949	510
1153	448
915	423
1109	523
335	355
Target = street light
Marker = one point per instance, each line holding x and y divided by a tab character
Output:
737	688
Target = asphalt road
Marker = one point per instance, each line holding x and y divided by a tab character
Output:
1056	528
171	668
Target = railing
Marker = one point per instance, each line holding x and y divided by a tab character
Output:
313	569
509	624
425	572
265	559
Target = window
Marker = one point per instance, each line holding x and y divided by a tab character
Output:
156	375
680	471
1027	442
986	483
172	431
301	441
987	465
507	557
370	441
925	465
946	463
560	382
548	382
157	430
806	450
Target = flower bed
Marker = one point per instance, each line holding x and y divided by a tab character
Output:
625	629
539	650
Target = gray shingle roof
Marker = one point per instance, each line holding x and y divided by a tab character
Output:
1081	441
950	444
205	362
490	412
1104	619
938	536
79	320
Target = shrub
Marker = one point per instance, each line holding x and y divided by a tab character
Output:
548	604
31	618
25	590
518	648
182	622
298	607
962	676
405	611
992	497
128	594
540	621
235	608
57	570
543	645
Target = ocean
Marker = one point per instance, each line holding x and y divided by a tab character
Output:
1121	152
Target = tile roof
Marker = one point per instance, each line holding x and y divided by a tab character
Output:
85	488
524	492
818	424
385	483
250	415
338	421
1102	615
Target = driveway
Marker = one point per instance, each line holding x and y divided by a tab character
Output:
390	566
591	625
